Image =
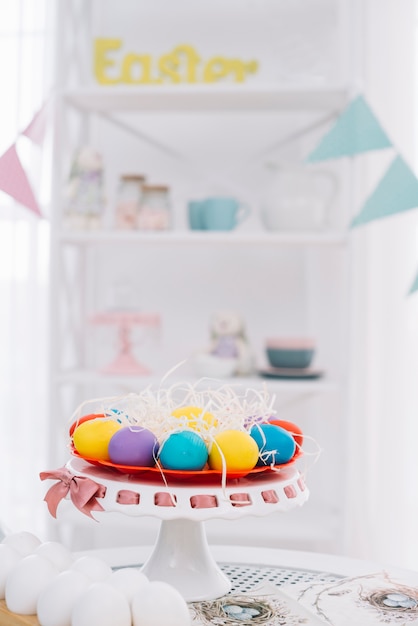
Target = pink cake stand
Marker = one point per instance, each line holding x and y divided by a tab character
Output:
181	555
125	362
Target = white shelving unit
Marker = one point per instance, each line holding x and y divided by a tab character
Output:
203	98
321	260
299	387
204	238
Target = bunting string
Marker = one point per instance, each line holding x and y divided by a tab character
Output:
357	130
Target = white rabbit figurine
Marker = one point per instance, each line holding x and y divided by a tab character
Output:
228	340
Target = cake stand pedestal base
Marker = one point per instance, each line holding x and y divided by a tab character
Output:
181	557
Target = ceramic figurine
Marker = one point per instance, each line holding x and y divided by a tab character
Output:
228	340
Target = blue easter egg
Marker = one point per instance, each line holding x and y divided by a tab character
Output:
134	446
184	450
276	445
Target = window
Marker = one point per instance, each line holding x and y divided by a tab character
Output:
25	29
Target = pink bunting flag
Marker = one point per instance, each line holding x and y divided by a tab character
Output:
36	129
14	182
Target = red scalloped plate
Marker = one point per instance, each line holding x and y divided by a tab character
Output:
182	474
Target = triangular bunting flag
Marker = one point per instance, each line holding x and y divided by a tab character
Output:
396	192
14	182
36	128
414	286
356	130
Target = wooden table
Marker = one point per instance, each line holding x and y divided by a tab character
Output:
11	619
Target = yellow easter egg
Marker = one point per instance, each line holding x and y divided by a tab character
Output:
237	448
91	439
196	419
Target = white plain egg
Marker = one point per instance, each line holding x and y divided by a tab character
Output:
101	605
24	542
128	580
26	581
97	569
159	603
56	602
9	557
58	554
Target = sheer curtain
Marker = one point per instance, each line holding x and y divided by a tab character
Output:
25	34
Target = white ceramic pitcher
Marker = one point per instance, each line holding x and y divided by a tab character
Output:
297	198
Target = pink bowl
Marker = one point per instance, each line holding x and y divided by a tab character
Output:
291	343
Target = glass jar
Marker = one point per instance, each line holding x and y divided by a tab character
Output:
128	201
154	213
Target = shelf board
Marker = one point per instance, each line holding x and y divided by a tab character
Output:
137	383
220	98
204	237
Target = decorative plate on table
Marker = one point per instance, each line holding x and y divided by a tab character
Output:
291	373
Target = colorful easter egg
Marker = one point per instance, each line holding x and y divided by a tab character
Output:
91	439
185	450
196	418
133	445
84	418
292	428
275	444
236	448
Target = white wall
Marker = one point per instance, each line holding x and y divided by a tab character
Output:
384	330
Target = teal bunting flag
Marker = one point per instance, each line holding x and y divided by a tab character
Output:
414	286
355	131
397	192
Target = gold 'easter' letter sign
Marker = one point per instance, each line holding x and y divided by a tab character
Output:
182	65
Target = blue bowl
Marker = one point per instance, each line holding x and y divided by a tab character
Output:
290	357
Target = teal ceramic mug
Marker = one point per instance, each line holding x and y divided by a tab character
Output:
195	211
223	213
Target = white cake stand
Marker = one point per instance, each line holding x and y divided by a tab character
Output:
181	555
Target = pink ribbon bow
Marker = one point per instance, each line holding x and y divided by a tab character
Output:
83	491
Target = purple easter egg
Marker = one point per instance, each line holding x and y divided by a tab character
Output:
133	445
